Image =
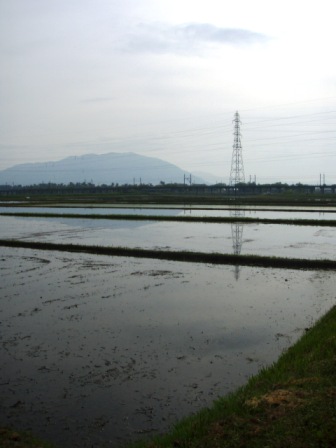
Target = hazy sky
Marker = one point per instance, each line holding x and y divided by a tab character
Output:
163	78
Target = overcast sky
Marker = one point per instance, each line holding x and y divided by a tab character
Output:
163	78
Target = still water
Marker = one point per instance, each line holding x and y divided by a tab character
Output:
261	239
248	212
96	350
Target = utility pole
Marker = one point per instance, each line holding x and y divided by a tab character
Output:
237	167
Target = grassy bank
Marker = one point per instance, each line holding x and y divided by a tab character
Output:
203	219
292	403
184	256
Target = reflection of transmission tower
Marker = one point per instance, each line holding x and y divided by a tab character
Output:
237	234
237	167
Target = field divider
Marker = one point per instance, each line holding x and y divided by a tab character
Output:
182	256
190	219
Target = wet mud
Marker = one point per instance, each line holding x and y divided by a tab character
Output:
97	350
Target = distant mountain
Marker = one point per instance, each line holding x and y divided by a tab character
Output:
121	168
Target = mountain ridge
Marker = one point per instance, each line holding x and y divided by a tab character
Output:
107	168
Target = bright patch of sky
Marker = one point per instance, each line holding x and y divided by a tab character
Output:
164	79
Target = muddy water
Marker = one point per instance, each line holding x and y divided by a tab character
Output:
314	213
96	351
261	239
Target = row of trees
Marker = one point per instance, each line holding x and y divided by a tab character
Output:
70	185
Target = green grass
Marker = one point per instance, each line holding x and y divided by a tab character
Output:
183	256
202	219
290	404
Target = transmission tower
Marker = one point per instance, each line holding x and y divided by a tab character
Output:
237	167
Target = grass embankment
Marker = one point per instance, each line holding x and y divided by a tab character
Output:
184	256
203	219
290	404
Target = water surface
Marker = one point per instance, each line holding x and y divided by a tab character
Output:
248	212
99	350
261	239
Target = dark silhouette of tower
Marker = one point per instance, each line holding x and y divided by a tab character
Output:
237	167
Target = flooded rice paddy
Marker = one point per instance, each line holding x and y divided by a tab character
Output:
250	212
98	351
261	239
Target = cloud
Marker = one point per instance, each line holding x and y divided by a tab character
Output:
187	38
99	99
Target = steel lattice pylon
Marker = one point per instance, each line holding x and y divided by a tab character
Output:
237	167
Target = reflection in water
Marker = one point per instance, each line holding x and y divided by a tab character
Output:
130	346
237	234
